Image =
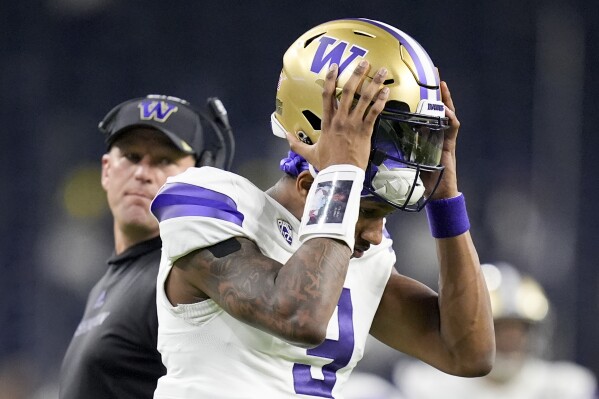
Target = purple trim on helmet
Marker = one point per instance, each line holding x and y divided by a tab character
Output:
418	62
423	93
293	164
181	199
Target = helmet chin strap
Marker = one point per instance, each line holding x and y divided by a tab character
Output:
395	184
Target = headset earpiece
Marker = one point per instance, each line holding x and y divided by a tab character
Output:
224	149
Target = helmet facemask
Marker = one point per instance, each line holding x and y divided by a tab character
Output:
403	145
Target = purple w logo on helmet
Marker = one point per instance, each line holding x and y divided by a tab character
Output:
334	55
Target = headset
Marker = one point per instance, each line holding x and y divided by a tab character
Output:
224	151
219	152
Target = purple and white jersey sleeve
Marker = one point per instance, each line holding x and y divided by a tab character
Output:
197	209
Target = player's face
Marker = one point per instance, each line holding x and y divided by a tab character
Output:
133	171
369	228
511	336
339	197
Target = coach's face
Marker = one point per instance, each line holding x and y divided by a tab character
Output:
136	166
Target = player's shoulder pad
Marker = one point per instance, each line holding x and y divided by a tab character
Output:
202	192
209	177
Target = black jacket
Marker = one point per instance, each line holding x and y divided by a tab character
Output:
113	351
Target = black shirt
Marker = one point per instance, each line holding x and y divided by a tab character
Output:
113	351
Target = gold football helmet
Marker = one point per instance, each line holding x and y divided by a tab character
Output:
514	295
408	135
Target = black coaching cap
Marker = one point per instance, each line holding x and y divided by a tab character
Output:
170	115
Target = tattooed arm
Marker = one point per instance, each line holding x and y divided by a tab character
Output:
293	301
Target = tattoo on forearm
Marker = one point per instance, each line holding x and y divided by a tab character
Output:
265	293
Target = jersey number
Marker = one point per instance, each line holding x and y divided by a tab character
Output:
340	351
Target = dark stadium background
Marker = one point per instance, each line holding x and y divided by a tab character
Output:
523	76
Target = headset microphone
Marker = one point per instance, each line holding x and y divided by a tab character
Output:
219	116
218	110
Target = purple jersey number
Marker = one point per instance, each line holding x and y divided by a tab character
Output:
340	351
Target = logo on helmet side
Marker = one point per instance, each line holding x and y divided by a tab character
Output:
436	107
335	55
159	111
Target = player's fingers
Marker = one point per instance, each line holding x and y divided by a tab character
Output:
450	113
299	147
453	119
446	96
454	124
377	107
329	101
352	84
370	92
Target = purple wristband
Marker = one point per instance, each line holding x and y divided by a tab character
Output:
448	217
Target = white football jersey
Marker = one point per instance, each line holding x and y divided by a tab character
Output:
538	379
208	353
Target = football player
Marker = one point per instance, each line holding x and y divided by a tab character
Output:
256	298
521	312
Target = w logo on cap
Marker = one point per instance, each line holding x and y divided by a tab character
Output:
156	110
335	55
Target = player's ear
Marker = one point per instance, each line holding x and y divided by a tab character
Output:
303	182
105	170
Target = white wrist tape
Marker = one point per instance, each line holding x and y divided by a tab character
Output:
333	204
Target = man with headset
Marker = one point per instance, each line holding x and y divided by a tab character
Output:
113	351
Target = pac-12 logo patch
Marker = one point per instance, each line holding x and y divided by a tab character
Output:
286	230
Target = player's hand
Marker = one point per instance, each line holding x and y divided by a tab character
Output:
448	187
347	125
